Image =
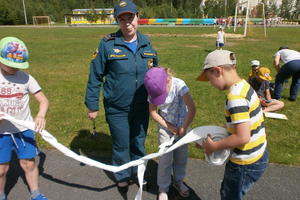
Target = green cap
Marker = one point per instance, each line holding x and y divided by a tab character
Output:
13	53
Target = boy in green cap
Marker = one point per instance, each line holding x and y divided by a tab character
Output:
15	87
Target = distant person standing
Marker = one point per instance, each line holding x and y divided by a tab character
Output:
290	68
220	38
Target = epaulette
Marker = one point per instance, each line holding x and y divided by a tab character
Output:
110	36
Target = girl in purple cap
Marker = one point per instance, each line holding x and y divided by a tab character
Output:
172	107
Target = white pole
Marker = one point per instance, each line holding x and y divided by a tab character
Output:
25	12
235	19
264	20
225	8
246	22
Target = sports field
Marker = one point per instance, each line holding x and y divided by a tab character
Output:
60	57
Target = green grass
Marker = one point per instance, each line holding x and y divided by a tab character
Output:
60	57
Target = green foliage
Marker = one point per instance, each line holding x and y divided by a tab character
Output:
271	8
56	9
286	7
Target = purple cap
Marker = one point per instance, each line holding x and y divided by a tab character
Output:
156	83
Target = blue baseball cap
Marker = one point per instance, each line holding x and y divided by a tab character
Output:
124	6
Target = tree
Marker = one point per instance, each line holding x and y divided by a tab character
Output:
296	14
285	9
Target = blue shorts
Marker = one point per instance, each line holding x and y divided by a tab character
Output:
24	146
218	44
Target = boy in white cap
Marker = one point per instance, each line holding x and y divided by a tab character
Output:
244	122
15	86
255	64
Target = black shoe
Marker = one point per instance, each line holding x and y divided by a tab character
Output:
122	187
291	99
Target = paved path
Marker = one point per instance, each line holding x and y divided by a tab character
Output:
62	178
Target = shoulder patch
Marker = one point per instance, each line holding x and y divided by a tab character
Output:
95	54
110	36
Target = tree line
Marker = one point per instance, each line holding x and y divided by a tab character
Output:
12	12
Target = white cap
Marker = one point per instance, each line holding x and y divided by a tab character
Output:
255	63
217	58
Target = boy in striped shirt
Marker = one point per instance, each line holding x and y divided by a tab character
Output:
244	122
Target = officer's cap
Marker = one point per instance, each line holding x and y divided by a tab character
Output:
124	6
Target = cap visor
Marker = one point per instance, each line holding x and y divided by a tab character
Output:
124	12
8	63
158	100
202	77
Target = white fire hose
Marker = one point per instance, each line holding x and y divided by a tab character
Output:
198	135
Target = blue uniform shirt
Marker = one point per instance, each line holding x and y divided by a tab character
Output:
120	72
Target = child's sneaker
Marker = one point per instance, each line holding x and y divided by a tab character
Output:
182	189
39	197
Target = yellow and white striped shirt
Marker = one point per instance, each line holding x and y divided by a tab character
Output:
242	105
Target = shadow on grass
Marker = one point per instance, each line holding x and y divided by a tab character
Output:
208	50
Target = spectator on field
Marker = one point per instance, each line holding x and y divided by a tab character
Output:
255	64
261	84
220	38
290	68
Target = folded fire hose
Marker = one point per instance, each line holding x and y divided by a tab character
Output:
198	135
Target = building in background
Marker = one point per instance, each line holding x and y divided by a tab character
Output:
90	16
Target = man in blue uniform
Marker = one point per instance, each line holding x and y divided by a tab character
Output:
122	59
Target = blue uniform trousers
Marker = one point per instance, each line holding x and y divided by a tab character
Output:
290	69
128	131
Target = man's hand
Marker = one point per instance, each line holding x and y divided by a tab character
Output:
92	114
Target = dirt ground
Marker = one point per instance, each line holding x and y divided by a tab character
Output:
228	35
